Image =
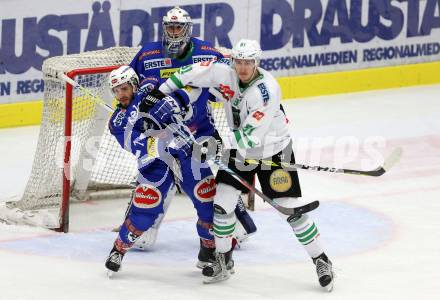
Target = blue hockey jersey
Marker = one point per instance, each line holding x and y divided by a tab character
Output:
154	67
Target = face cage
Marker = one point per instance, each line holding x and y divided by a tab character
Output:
175	45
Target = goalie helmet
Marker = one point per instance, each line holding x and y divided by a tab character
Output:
123	74
247	49
177	30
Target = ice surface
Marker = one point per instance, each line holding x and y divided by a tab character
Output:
381	233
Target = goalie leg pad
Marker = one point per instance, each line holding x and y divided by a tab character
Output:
244	218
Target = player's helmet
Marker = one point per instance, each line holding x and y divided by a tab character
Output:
177	30
247	49
122	75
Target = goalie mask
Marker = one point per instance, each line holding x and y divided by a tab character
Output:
177	30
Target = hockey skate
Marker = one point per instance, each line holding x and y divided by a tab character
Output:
324	271
220	270
206	256
113	262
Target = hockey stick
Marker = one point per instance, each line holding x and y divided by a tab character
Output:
287	211
296	211
389	162
76	85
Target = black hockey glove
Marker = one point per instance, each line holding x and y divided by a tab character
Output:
149	99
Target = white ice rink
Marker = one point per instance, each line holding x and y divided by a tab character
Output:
382	234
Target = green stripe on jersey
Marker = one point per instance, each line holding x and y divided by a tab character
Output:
176	81
239	139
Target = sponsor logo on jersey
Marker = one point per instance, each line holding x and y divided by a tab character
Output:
157	63
117	121
226	91
280	181
148	53
166	73
264	92
205	189
258	115
224	60
199	58
152	147
149	79
147	196
208	48
188	88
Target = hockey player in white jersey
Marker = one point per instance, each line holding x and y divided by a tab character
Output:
259	131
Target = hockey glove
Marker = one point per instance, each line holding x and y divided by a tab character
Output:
148	100
180	147
165	109
176	141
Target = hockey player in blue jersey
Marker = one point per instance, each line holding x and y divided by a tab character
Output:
155	62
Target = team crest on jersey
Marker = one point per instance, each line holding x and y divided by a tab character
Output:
264	92
157	63
205	189
147	196
166	73
280	181
199	58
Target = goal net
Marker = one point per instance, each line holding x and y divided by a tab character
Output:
76	156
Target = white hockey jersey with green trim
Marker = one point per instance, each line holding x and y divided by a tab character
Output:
259	127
